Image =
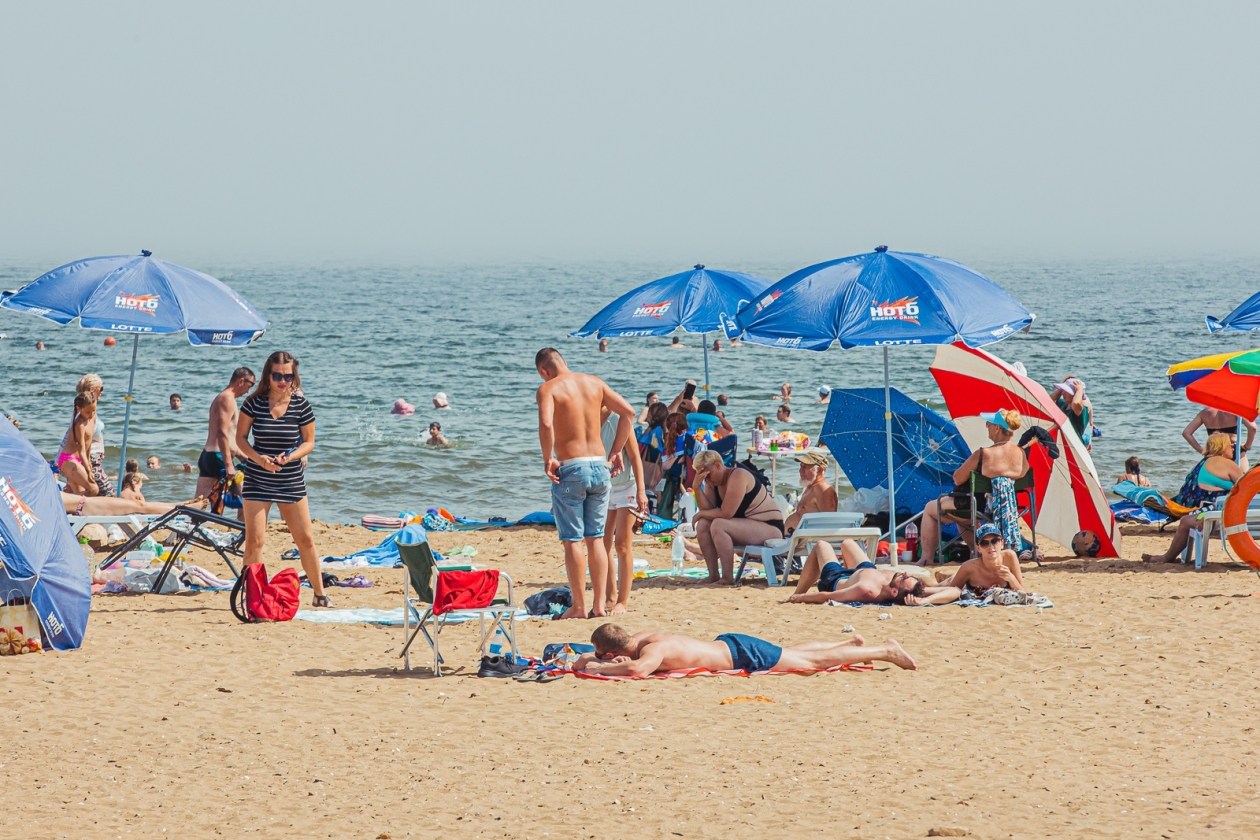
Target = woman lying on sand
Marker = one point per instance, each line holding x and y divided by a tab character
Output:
77	505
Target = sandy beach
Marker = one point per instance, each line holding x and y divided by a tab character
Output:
1127	710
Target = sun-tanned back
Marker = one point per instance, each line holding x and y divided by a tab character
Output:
576	399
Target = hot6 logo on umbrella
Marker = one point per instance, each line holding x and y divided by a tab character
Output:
22	513
147	304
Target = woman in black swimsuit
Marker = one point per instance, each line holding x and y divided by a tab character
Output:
734	509
283	424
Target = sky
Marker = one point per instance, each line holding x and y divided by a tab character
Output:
567	131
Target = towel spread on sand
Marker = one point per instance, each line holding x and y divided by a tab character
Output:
705	672
390	618
1041	602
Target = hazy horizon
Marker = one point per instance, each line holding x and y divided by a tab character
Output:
724	133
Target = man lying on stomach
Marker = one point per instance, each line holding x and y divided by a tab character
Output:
619	654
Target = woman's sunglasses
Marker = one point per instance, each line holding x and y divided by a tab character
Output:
988	541
281	377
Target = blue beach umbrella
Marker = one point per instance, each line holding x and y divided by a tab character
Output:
140	295
927	448
881	299
1246	318
39	556
694	301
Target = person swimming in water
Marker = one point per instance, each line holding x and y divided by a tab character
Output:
436	438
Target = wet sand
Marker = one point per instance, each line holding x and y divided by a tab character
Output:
1127	710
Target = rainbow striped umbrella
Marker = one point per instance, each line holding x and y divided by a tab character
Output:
1224	381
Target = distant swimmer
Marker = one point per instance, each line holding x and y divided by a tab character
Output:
824	395
177	402
213	463
402	407
617	653
436	438
440	400
580	468
153	463
717	345
784	414
39	345
603	345
676	343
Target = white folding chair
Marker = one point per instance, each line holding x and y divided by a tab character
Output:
828	527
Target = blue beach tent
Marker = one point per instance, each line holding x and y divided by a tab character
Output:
39	557
141	295
1246	318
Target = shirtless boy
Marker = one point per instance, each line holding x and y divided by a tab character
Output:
575	460
818	496
216	458
618	654
858	579
997	565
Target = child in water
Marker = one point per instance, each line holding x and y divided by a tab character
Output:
436	438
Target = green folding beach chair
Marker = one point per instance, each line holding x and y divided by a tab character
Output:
968	509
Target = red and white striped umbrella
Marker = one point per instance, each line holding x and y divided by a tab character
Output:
1070	497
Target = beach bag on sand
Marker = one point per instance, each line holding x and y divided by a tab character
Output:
19	628
254	598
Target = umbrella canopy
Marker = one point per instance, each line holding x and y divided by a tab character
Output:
1246	318
1070	498
139	295
694	301
879	299
927	448
41	558
1225	381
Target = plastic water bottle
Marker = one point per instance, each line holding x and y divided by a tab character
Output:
88	554
912	539
496	646
677	556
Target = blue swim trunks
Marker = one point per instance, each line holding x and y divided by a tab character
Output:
748	653
833	573
580	501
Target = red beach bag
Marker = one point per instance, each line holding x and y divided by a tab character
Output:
274	600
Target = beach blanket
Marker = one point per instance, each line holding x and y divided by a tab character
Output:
386	552
1126	511
968	599
705	672
387	618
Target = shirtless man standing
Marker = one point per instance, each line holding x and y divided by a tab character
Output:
818	496
575	460
618	654
216	457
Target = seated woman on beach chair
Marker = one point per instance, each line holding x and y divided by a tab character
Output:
735	508
858	580
1002	463
1216	474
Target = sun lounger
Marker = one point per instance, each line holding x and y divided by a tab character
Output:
829	527
131	524
187	527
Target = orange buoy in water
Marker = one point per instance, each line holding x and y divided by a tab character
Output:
1234	518
109	341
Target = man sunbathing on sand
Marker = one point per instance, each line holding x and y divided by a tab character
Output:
618	654
858	580
996	565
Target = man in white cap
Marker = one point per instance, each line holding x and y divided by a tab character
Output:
818	496
824	395
1071	400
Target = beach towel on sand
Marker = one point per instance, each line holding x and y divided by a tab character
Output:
705	672
386	552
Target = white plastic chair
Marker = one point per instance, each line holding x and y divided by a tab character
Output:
830	527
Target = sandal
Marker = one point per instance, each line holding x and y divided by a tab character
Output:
321	601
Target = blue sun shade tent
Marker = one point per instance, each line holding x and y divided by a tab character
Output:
1246	318
41	558
927	448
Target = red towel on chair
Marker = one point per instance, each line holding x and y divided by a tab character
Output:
464	590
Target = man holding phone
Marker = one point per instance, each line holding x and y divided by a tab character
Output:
579	466
686	401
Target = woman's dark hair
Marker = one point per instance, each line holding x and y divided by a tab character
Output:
706	407
650	395
1132	465
657	413
263	387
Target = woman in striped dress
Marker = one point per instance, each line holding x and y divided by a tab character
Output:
284	434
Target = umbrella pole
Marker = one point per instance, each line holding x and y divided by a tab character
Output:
892	492
706	366
131	381
1238	441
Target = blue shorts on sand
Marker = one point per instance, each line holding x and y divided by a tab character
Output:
580	501
833	573
748	653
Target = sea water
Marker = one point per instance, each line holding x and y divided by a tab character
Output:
366	336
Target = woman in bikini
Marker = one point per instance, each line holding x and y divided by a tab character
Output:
1217	474
735	508
74	460
1220	422
1003	462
